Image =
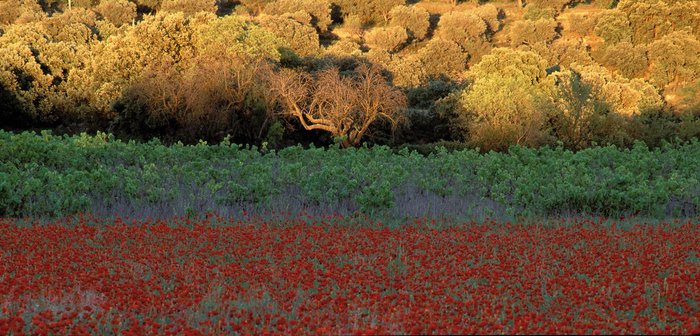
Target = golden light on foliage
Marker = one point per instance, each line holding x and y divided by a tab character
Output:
191	69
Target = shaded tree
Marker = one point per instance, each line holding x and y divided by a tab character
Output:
216	96
690	98
443	58
36	60
674	58
625	97
630	60
22	77
576	111
147	6
12	112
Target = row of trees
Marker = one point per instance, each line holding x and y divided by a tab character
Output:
491	75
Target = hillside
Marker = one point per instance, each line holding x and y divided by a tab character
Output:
183	70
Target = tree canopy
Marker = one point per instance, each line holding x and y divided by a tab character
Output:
494	73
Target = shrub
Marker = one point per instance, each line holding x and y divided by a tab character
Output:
9	11
582	23
648	19
443	57
118	12
631	61
576	110
625	97
462	28
534	13
379	57
189	6
368	11
491	15
532	32
320	10
614	27
674	58
502	106
564	52
408	70
391	39
343	48
302	39
415	20
253	7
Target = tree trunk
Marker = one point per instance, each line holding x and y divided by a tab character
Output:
346	143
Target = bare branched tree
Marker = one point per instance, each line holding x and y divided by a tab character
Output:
345	106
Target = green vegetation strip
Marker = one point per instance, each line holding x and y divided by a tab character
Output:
47	175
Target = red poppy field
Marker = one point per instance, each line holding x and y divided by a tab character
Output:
331	275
